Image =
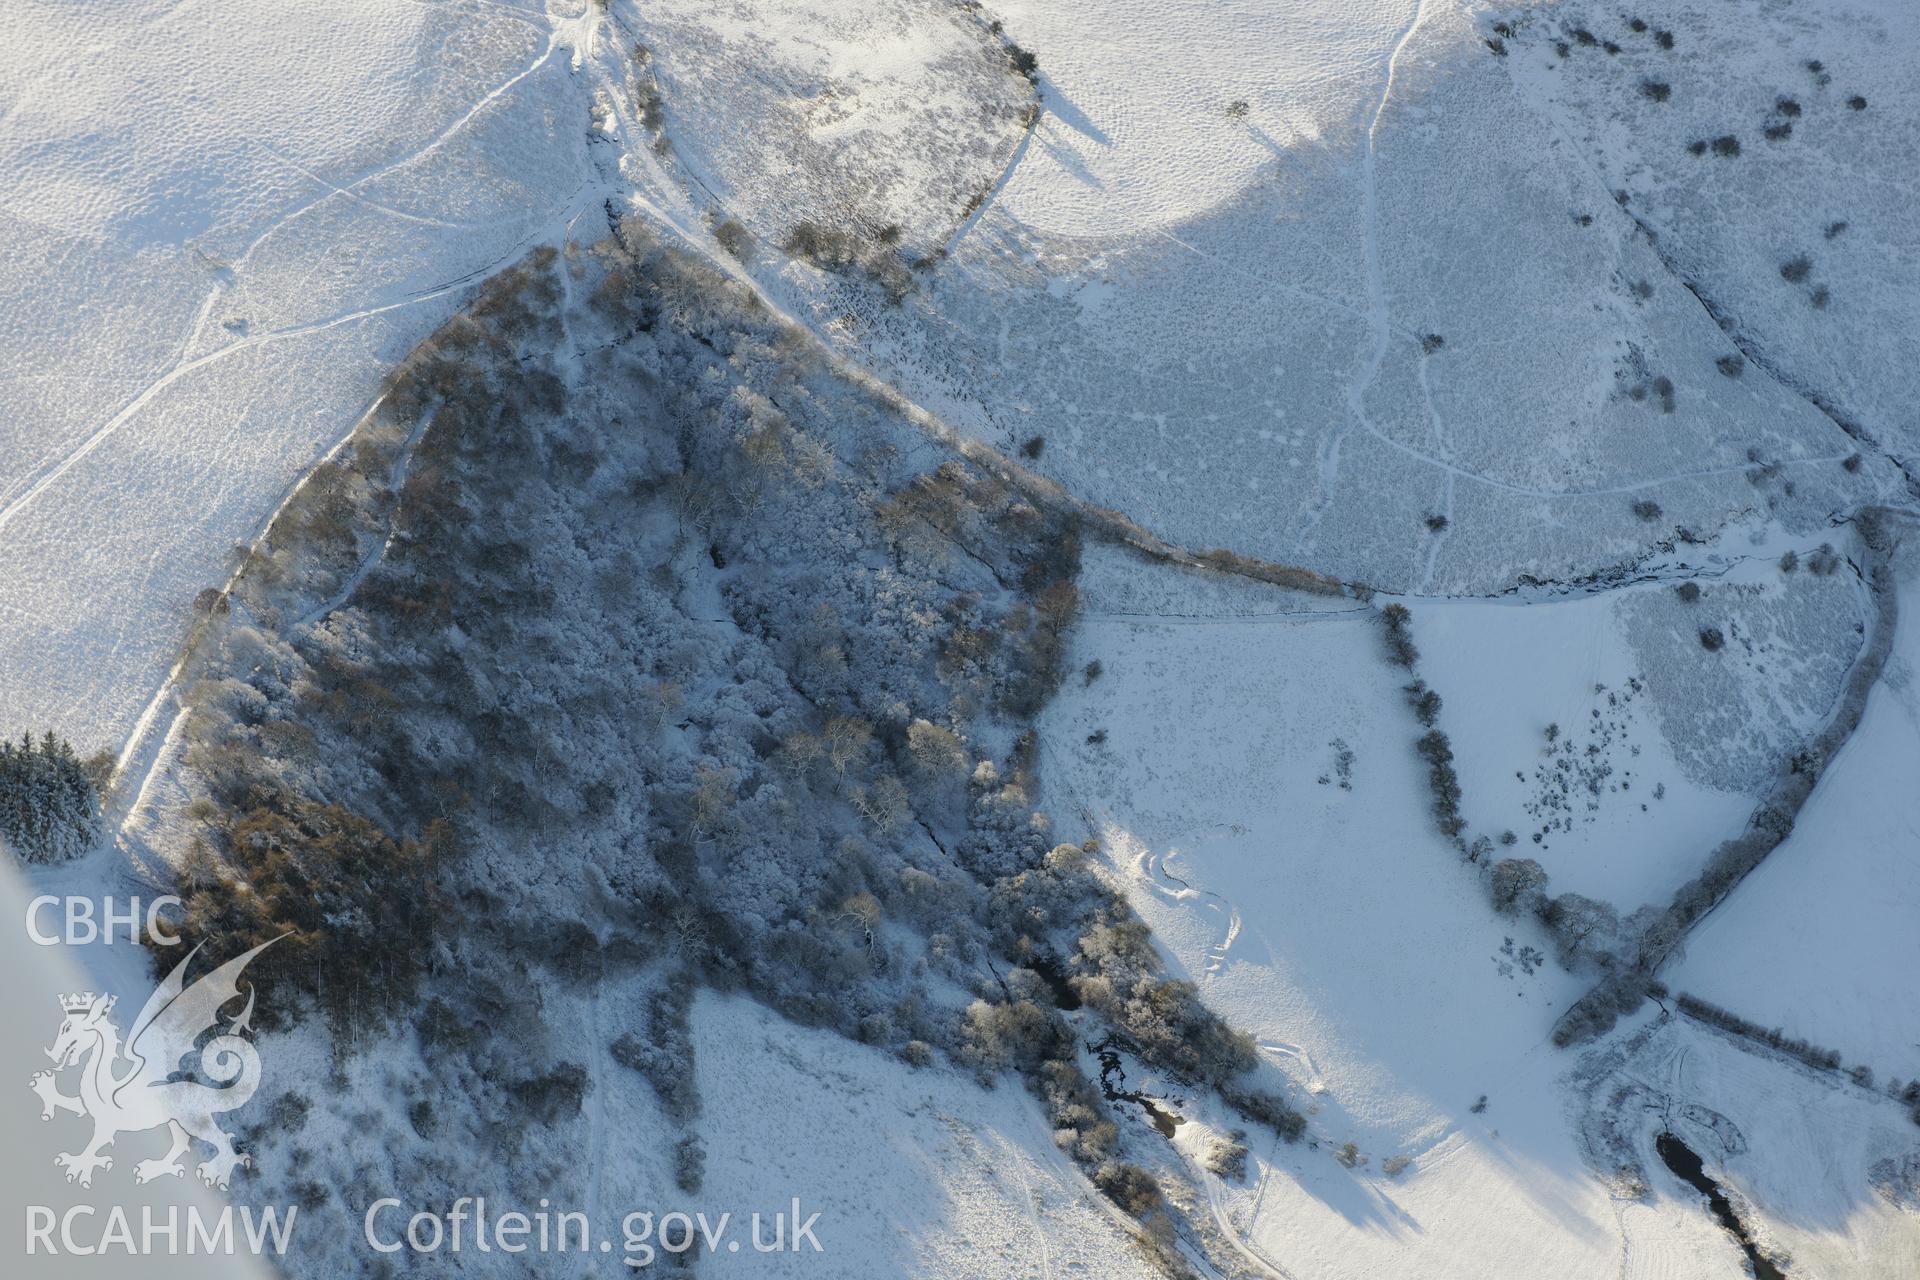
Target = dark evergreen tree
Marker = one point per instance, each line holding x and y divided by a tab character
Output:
48	809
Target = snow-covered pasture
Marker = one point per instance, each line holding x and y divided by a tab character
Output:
1821	940
1825	1176
1361	950
1616	747
1337	926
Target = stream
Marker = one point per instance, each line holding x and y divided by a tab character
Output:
1163	1119
1689	1168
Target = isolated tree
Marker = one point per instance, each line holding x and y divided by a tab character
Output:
1582	926
1517	881
713	796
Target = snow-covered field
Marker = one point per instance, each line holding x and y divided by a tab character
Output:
912	1172
1343	932
1821	1173
1358	946
1819	100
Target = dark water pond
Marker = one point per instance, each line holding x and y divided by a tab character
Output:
1056	979
1689	1168
1113	1079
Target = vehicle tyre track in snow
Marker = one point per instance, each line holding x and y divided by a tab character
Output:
1151	868
1216	1202
375	205
1378	315
37	483
232	270
1016	1159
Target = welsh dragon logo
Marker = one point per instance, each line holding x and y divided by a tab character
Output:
133	1087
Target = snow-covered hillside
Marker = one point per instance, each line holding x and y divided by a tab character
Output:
223	226
972	1183
1764	148
1368	309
